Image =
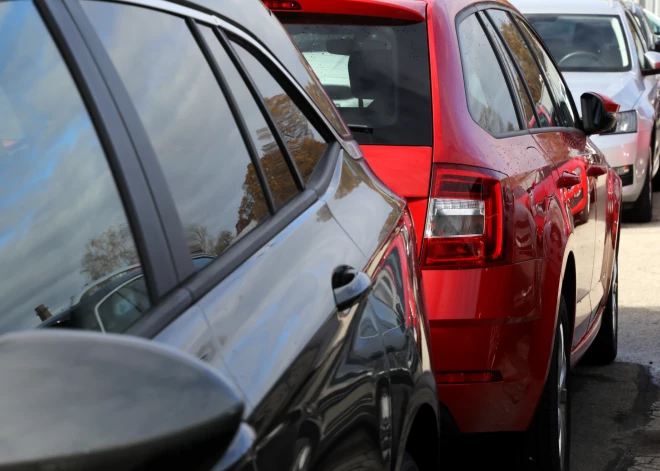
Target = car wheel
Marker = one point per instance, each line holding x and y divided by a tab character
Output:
547	441
408	463
604	349
656	179
643	209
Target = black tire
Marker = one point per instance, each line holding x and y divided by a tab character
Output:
643	209
408	463
604	349
656	179
541	450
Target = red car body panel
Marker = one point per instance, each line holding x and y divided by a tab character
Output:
502	318
407	171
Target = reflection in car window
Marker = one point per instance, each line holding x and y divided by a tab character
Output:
529	119
489	99
124	306
63	230
305	143
281	183
543	104
565	113
197	141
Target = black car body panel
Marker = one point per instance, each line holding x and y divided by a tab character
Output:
324	387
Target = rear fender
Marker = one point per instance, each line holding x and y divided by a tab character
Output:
559	244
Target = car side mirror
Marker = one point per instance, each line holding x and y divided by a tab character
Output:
652	63
83	400
598	113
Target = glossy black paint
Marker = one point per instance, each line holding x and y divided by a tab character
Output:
324	388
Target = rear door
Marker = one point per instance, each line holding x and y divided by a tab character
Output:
570	151
251	166
376	70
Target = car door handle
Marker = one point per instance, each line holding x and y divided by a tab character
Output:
596	170
349	286
568	180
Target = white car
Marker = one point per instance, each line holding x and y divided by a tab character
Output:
598	47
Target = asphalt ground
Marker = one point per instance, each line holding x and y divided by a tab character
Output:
616	408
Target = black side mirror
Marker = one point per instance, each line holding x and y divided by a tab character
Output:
598	113
82	400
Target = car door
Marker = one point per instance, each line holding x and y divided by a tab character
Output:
245	157
569	151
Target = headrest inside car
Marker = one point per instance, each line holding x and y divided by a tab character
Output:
371	72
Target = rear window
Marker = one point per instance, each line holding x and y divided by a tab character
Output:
375	71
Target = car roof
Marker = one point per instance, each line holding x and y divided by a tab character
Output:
580	7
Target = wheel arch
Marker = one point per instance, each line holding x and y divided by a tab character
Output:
423	440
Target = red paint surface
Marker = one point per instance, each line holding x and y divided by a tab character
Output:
412	10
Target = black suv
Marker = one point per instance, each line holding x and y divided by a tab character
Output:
173	177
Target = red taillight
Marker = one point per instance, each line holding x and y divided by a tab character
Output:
464	220
278	5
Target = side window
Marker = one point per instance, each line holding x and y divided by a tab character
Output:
639	46
303	140
279	177
565	115
196	139
489	98
530	120
64	237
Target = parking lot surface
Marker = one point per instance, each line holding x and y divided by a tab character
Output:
616	408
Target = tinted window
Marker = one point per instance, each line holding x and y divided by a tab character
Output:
542	101
503	23
587	43
376	72
197	141
489	99
565	113
63	230
281	183
303	140
123	306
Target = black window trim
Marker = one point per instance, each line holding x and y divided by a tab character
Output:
261	104
507	78
189	286
120	151
236	113
516	66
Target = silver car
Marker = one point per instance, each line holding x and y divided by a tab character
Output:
599	47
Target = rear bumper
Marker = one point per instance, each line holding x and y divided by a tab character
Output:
491	320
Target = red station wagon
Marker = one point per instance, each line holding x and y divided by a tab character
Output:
459	107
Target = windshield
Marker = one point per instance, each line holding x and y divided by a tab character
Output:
584	43
654	21
377	74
